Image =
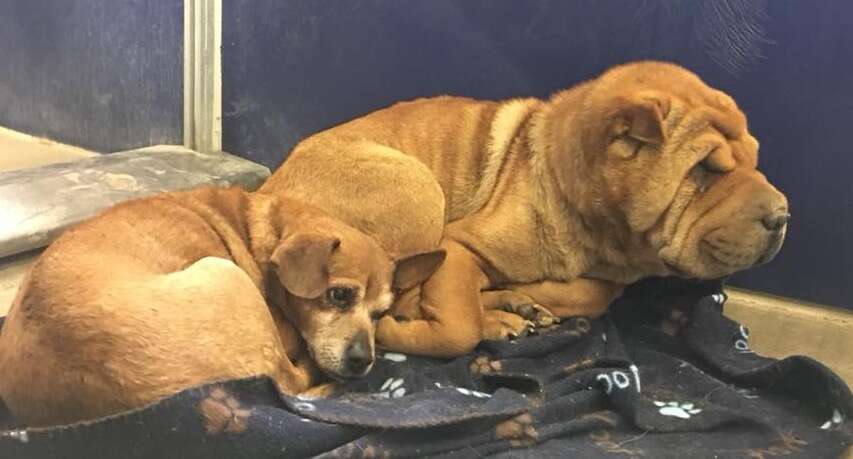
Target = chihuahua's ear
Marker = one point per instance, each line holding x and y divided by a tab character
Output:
641	117
302	263
414	269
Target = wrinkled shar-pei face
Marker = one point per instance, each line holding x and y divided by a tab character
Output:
674	157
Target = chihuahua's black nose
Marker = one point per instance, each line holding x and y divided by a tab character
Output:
359	355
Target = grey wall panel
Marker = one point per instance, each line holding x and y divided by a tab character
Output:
293	67
105	75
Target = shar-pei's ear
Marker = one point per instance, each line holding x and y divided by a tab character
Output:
641	117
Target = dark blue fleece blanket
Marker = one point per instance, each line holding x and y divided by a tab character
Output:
664	374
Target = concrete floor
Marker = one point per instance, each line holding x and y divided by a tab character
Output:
779	327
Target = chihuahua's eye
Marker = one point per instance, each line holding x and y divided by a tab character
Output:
341	297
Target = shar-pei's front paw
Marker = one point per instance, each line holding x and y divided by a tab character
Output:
502	325
518	304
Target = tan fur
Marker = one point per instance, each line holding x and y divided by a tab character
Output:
168	292
642	171
508	119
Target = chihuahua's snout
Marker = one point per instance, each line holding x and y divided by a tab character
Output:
359	354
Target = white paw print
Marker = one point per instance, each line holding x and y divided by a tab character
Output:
678	410
837	419
394	357
392	388
20	435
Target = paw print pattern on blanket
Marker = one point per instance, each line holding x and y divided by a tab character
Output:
483	365
518	430
21	435
392	388
836	420
394	357
222	412
676	409
674	322
580	326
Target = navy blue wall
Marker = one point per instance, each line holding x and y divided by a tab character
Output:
293	67
103	74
